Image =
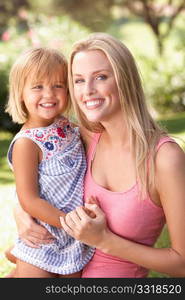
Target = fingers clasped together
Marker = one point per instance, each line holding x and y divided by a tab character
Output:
85	224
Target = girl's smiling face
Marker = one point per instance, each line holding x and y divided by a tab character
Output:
44	99
95	87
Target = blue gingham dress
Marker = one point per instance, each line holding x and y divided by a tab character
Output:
61	176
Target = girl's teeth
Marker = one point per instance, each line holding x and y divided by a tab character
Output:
92	103
48	104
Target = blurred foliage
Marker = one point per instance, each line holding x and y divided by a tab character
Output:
97	16
159	15
10	13
5	119
164	86
6	175
164	75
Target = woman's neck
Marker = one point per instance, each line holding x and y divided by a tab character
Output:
116	132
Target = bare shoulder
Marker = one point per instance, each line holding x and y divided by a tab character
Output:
25	147
170	156
170	176
24	143
86	136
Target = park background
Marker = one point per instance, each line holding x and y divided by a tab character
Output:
154	31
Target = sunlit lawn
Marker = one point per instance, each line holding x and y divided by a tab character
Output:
176	126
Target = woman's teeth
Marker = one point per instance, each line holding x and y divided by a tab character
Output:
93	103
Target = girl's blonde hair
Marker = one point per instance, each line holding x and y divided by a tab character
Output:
143	130
36	63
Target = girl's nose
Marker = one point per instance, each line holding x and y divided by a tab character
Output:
48	92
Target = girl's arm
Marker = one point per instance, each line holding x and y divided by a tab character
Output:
170	182
25	159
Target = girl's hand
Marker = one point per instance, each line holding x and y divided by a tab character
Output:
91	200
29	231
90	231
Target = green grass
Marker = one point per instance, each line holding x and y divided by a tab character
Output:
7	226
175	125
7	192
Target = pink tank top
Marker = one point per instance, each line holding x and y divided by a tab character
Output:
128	216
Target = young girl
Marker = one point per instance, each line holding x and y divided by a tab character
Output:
48	160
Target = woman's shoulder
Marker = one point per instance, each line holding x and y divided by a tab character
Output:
170	174
169	155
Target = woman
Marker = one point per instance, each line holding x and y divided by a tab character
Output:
129	159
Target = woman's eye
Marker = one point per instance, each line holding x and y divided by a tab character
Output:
78	81
101	77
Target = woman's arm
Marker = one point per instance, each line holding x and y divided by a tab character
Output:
170	182
30	232
25	161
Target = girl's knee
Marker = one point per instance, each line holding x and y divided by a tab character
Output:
10	256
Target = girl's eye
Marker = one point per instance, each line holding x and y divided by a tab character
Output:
101	77
37	87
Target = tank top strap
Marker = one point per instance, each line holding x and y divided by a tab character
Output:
164	140
161	142
92	146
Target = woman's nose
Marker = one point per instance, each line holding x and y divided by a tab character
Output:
89	88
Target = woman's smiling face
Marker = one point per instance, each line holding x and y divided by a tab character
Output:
95	87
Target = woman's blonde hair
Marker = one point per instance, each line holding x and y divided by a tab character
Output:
36	63
143	131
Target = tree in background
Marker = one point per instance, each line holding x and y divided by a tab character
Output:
98	15
155	13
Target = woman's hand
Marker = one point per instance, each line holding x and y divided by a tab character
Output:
29	231
88	230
